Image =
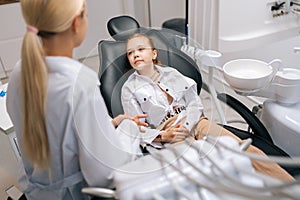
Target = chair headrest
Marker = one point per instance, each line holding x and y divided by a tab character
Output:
177	24
121	27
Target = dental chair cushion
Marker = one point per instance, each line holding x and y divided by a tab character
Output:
121	27
177	24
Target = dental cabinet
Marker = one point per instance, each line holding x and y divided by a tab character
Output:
9	152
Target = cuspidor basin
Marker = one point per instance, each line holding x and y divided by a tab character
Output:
248	74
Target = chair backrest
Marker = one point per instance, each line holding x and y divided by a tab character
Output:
115	68
121	27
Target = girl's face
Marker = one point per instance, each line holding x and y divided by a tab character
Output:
140	53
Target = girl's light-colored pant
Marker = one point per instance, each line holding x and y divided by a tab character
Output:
205	127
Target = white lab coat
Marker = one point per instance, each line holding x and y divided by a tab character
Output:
84	145
141	95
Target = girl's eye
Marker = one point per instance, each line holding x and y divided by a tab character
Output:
129	53
141	49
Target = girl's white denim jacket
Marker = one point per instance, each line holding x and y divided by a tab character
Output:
140	95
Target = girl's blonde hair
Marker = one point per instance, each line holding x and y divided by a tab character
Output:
48	17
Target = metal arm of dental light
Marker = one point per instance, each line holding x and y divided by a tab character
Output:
210	59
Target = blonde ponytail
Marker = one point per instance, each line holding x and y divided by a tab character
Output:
44	18
34	87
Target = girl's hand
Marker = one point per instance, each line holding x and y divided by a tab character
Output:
173	135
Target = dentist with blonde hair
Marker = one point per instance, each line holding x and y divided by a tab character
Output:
66	137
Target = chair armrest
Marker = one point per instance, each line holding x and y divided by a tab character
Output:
254	123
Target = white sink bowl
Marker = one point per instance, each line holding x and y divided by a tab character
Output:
247	74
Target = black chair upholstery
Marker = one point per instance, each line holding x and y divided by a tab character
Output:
121	27
177	24
254	123
115	68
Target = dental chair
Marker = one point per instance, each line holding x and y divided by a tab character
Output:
114	70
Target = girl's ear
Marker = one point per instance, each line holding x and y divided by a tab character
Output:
154	57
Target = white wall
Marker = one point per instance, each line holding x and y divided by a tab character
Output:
152	13
13	28
162	10
99	13
239	32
